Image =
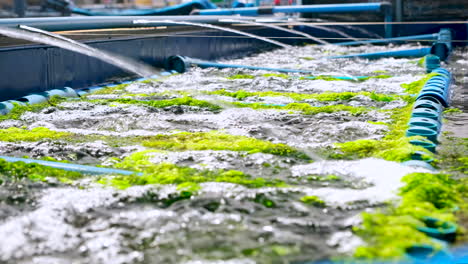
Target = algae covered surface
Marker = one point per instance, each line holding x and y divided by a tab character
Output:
230	166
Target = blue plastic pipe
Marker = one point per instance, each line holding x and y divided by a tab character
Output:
443	46
396	53
181	9
428	37
72	167
331	8
182	64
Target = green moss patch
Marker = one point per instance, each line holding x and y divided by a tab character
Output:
13	134
185	177
389	233
393	150
17	171
219	141
328	96
416	86
240	76
165	103
345	78
313	200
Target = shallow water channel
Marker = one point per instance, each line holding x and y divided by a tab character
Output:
86	221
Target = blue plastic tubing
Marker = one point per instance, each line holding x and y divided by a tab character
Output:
428	37
333	8
36	98
71	167
397	53
101	22
182	64
176	9
425	117
443	46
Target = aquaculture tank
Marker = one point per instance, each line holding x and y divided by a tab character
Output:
314	133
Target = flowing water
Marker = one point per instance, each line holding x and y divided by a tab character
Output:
279	44
224	223
277	28
39	36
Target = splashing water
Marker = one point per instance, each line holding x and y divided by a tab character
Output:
40	36
143	21
339	32
278	28
370	34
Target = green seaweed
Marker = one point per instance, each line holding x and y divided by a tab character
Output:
313	200
165	103
328	96
416	86
306	109
452	110
219	141
17	171
393	150
14	134
389	233
279	75
111	89
166	173
240	76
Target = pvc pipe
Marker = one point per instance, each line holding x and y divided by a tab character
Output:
439	229
427	113
443	47
395	53
387	40
423	103
330	8
425	122
102	22
431	62
182	64
174	10
425	144
422	131
72	167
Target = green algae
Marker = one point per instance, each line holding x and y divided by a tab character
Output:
219	141
416	86
313	200
330	177
389	233
17	171
14	134
188	101
327	96
166	173
452	110
393	150
112	89
240	76
307	109
279	75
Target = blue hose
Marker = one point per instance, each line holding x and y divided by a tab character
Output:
443	46
388	40
182	64
395	53
332	8
181	9
72	167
